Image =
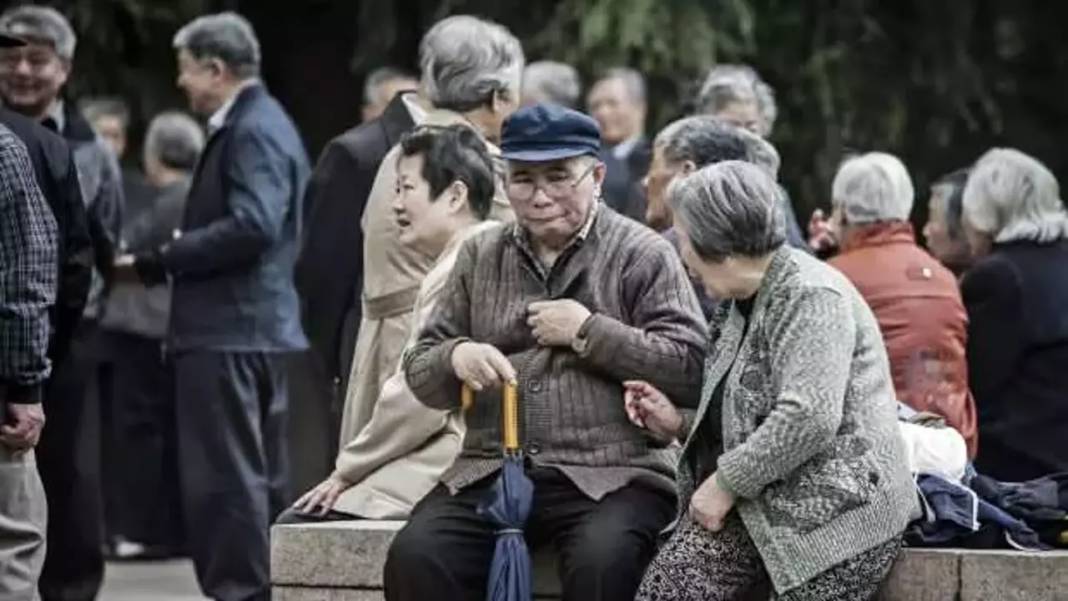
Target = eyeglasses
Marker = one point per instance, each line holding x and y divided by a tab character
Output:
554	185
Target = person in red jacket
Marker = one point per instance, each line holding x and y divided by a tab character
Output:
915	299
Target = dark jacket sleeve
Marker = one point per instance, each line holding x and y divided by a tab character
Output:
260	188
992	297
330	268
78	252
665	345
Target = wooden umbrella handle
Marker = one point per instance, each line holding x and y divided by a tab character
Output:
509	413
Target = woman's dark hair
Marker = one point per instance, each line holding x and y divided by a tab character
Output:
454	153
954	199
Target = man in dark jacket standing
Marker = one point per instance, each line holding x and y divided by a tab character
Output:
32	78
234	313
330	269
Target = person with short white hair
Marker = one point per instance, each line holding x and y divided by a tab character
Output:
552	82
234	316
1017	298
914	297
472	71
792	471
738	95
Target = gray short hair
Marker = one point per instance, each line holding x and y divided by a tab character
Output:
761	152
873	187
1013	196
95	108
175	140
703	140
226	36
633	82
381	76
41	24
550	81
726	84
733	208
465	60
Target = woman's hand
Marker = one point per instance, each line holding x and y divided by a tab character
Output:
322	498
710	504
821	234
649	408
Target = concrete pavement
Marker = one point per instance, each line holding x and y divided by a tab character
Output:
150	581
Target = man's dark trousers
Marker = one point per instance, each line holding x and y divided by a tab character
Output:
68	458
444	552
231	410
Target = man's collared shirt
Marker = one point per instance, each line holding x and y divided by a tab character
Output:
55	119
218	118
28	276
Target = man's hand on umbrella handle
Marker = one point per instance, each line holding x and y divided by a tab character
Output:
649	408
481	366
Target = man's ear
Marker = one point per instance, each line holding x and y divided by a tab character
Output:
599	172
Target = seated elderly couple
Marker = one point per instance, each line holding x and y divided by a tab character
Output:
791	473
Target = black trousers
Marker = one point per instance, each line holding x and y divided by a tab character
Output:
68	458
140	443
231	410
445	550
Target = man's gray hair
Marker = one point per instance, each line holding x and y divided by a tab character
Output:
733	208
381	76
761	152
465	60
226	36
702	140
633	82
175	140
550	81
726	84
873	187
1013	196
95	108
42	25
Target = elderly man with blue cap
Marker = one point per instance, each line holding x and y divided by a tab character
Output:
567	304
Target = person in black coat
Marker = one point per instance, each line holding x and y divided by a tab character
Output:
618	102
57	176
32	79
1016	295
329	271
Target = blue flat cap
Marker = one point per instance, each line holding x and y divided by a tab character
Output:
549	132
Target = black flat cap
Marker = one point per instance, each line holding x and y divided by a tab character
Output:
549	132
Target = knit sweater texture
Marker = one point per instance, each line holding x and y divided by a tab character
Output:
645	325
809	435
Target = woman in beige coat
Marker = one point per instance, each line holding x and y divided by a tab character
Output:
444	193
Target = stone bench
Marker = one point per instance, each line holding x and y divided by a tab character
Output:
342	561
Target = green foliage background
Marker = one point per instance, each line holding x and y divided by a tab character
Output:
934	82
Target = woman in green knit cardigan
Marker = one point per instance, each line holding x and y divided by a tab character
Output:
792	472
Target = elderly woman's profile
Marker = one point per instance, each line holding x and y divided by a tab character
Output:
793	473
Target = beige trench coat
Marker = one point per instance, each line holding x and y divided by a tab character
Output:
401	453
392	274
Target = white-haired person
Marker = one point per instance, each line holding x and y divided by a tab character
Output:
792	472
915	299
738	95
1016	294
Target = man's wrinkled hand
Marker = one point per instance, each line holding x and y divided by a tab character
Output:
22	426
481	366
556	322
649	408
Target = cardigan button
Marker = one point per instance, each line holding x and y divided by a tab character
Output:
534	386
533	448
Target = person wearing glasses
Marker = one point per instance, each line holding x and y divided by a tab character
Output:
568	303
